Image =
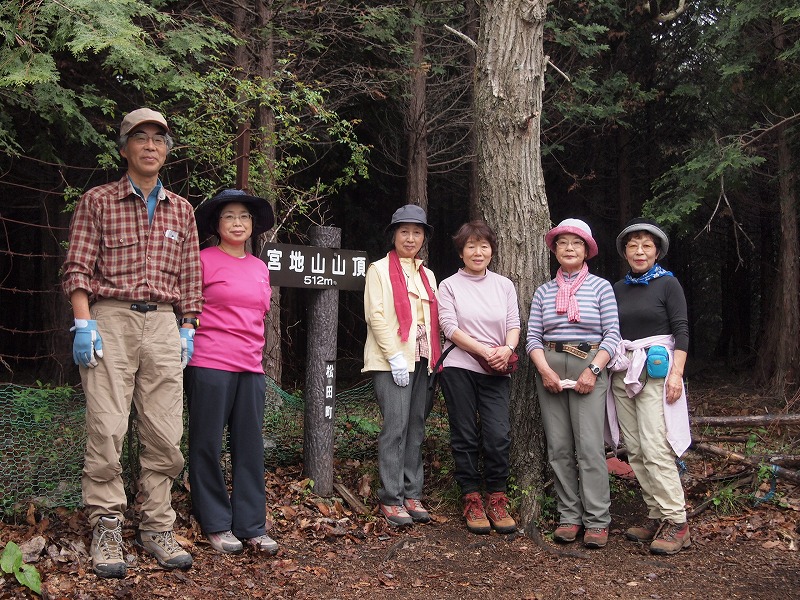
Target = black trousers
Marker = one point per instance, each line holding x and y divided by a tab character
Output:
477	407
216	399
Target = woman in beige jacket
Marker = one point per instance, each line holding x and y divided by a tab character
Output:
402	345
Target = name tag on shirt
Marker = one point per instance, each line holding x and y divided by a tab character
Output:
171	235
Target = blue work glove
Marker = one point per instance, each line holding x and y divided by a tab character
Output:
399	369
87	343
187	345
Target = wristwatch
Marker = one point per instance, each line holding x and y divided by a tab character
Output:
594	369
194	321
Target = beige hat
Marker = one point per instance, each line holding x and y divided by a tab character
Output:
139	116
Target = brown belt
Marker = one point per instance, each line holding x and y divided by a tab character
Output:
579	350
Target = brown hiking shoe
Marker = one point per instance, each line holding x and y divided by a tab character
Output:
164	547
106	548
671	538
497	514
595	537
566	533
475	515
643	533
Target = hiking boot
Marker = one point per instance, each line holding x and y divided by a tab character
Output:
396	515
497	514
566	533
225	542
263	543
595	537
643	533
671	538
475	515
106	548
416	510
162	545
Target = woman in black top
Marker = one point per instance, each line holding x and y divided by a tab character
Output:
648	383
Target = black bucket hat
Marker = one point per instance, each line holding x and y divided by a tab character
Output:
263	217
410	213
651	227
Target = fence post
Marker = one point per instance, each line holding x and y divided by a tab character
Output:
320	392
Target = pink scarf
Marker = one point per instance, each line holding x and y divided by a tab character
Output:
565	299
402	305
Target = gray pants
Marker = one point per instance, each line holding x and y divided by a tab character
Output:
402	433
573	424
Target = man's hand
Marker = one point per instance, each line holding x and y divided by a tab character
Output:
399	369
187	345
87	343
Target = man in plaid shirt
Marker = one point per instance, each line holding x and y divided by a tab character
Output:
132	268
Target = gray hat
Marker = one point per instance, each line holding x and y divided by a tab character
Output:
640	224
410	213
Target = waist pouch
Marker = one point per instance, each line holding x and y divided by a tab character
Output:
657	362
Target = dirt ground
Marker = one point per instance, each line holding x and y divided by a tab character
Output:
740	548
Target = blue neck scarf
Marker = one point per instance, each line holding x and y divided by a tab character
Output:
655	272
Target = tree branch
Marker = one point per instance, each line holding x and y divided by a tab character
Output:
463	36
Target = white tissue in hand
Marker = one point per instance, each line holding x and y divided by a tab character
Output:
568	384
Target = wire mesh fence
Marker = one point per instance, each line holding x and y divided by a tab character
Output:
42	439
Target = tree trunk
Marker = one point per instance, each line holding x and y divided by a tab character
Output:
781	350
508	103
417	125
273	362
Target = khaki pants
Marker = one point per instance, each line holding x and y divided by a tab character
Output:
573	425
641	420
141	363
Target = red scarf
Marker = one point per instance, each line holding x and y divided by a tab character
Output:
565	299
402	304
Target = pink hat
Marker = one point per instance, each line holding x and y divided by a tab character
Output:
575	227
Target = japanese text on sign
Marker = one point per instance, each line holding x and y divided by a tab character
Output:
315	267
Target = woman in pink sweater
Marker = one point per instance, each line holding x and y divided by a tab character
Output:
479	314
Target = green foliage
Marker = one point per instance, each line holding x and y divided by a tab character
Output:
708	168
727	501
52	54
12	564
36	403
305	134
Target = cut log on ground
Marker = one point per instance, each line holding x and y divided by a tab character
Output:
792	419
741	458
351	499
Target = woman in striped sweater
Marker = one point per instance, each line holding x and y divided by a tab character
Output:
573	330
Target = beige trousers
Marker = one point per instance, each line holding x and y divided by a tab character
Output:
141	364
641	420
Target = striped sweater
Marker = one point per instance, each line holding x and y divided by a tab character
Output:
599	322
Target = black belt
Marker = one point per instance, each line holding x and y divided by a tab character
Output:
143	307
580	350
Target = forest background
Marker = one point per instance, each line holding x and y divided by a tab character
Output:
341	111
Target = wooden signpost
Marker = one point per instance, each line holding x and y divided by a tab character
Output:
325	269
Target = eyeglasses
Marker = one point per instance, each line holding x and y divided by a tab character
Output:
244	218
634	247
141	138
562	243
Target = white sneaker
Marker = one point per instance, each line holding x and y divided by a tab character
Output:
225	542
263	543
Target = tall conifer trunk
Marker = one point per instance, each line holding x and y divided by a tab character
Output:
508	105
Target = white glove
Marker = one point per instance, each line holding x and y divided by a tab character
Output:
399	369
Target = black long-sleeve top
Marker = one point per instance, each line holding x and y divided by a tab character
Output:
658	308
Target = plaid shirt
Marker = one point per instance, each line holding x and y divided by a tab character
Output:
115	253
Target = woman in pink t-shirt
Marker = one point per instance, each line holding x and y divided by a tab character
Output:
225	383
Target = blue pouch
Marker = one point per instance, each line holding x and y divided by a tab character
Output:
657	362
